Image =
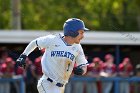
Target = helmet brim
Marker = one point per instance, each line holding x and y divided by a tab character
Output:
85	29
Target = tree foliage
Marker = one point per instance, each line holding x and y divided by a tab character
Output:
105	15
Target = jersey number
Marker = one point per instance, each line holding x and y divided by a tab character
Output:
67	65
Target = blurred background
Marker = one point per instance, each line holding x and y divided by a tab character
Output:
112	46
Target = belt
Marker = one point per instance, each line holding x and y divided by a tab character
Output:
57	84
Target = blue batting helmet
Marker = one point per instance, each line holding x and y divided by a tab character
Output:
72	25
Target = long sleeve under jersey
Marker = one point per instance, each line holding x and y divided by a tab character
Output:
31	46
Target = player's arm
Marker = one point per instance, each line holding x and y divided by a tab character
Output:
81	62
31	46
80	69
21	60
39	42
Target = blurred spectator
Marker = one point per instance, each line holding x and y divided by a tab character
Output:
93	70
6	71
109	70
125	71
38	68
3	55
7	68
137	83
30	77
19	72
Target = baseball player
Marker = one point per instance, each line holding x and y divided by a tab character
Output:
62	51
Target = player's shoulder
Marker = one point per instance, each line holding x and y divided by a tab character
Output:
78	45
50	36
55	35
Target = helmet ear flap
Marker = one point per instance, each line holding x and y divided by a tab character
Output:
71	33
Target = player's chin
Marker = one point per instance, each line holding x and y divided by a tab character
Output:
78	42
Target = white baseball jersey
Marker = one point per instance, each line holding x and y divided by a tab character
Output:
59	57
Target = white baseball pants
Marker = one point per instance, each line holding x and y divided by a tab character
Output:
45	86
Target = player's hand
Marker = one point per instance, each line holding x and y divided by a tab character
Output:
21	60
78	70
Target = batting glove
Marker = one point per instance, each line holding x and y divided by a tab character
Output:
78	70
21	60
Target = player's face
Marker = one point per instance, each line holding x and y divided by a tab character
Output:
79	37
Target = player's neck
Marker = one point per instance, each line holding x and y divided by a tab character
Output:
68	40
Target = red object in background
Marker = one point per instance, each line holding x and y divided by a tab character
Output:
9	60
19	71
8	66
95	65
43	50
6	69
108	56
125	66
38	66
91	67
37	61
96	59
110	69
128	68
